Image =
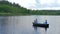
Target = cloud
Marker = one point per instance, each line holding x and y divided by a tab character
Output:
26	3
47	4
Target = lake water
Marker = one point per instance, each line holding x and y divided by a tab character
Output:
23	24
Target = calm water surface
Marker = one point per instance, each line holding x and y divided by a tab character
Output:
23	24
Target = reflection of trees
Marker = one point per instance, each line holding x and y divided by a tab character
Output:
3	21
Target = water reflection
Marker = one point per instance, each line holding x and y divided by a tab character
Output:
45	29
35	28
37	31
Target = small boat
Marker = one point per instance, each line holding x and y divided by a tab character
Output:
44	25
40	25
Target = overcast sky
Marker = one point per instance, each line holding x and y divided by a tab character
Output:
39	4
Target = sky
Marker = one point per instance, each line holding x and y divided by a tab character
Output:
39	4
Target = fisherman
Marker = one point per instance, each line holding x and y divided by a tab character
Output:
45	21
35	21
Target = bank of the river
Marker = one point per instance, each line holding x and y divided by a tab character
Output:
19	14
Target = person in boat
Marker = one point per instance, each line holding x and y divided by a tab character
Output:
35	21
45	21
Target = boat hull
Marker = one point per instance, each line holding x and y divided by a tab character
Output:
40	25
